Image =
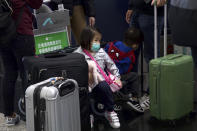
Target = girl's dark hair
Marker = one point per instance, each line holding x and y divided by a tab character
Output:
133	36
87	36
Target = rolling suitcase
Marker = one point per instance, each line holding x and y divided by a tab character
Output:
170	82
53	107
61	63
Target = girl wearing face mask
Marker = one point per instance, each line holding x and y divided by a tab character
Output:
90	42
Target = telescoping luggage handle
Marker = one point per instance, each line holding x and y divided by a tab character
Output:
155	30
155	86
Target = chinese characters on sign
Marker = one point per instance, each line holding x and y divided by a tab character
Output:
49	46
50	42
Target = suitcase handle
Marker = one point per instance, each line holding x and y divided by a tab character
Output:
174	56
55	54
67	87
155	30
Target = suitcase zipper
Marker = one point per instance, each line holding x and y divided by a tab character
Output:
40	71
62	73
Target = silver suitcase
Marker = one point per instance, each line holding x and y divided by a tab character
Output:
53	107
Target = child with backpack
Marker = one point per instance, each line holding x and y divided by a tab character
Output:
123	54
90	48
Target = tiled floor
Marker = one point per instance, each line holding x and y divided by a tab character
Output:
130	121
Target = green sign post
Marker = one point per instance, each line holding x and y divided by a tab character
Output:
51	41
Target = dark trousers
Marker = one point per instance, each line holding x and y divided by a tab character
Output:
146	24
103	93
194	55
22	45
131	84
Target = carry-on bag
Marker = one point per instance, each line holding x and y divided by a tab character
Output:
53	105
67	65
170	82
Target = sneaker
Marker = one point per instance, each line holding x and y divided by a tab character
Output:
10	121
117	107
113	119
145	102
135	105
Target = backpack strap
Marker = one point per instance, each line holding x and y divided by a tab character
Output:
131	56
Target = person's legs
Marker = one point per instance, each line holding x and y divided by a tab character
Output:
132	84
78	21
9	79
12	55
104	93
146	24
194	55
24	46
132	90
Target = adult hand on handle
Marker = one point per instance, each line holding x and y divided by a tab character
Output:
92	21
159	2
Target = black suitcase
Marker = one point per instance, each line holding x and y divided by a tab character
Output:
67	65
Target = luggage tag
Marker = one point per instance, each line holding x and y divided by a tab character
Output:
54	80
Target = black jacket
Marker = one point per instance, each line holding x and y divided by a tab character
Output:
145	8
87	4
183	22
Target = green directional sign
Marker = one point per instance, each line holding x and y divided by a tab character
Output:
51	41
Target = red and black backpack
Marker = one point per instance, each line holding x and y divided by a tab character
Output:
122	55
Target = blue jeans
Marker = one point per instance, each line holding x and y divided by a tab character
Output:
146	24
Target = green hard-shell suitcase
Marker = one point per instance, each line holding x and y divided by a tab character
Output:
170	81
171	86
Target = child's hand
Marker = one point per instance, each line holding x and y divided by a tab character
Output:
118	81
